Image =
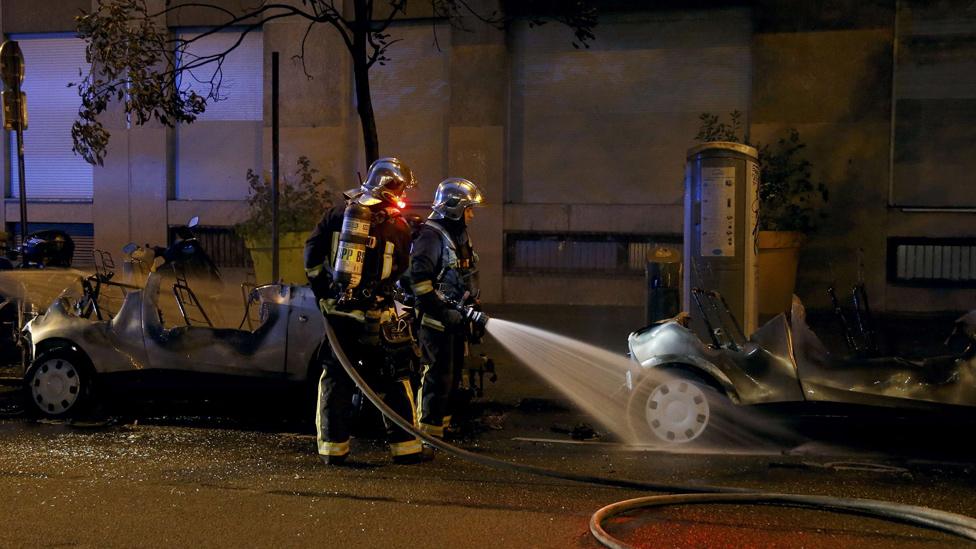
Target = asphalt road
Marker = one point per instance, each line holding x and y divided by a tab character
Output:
161	478
208	482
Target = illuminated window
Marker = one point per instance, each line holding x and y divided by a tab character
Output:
52	170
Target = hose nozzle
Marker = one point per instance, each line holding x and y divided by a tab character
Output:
479	318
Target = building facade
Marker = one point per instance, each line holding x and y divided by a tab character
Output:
580	151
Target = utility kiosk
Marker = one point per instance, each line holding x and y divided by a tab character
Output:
720	228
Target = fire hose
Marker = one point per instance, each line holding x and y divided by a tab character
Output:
924	517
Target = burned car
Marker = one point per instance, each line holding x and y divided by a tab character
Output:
782	362
78	357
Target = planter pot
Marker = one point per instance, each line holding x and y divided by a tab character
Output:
291	247
779	254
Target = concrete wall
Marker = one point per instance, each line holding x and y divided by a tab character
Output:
828	73
598	136
476	138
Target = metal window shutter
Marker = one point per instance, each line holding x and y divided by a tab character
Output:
241	77
52	170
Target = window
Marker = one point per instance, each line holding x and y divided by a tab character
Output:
52	170
935	105
624	111
582	253
214	153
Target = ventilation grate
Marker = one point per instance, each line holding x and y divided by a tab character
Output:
932	262
582	253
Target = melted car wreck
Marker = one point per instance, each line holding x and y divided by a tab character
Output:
135	351
782	362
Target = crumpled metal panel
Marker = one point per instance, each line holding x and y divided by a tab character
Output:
785	361
763	371
883	381
112	345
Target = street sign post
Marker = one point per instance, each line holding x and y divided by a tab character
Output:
15	115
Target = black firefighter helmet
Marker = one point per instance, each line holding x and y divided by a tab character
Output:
48	248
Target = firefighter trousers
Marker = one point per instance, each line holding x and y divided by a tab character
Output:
334	409
443	360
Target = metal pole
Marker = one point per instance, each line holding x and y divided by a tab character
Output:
22	183
274	168
15	115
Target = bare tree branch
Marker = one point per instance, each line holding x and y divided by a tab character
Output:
301	55
137	63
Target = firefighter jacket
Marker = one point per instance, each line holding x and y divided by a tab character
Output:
387	257
443	265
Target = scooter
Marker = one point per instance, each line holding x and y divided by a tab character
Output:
42	249
185	256
186	259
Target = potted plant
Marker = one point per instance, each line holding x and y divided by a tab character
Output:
789	201
302	200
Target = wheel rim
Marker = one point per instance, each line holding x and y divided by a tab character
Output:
677	411
56	386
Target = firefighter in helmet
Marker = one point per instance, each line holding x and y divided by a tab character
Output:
352	259
442	277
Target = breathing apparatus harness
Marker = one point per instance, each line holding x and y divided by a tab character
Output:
350	255
355	293
455	275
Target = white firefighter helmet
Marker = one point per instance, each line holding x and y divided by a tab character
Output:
386	181
452	196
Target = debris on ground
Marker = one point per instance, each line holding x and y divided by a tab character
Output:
495	422
862	466
580	431
540	405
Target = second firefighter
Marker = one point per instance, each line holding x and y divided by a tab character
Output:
443	278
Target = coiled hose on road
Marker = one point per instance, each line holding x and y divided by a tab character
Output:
682	494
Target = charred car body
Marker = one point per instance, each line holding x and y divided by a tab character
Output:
782	362
87	346
103	340
134	352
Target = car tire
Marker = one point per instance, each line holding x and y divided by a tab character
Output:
59	384
675	408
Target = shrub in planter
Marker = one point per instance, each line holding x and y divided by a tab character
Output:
302	200
790	205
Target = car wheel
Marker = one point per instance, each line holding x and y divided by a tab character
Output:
59	383
673	409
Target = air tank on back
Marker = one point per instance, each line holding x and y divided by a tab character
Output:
721	216
351	253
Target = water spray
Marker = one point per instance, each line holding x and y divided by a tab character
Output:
924	517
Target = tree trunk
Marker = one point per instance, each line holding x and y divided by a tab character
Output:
364	103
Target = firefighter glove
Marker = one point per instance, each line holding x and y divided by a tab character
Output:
452	318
